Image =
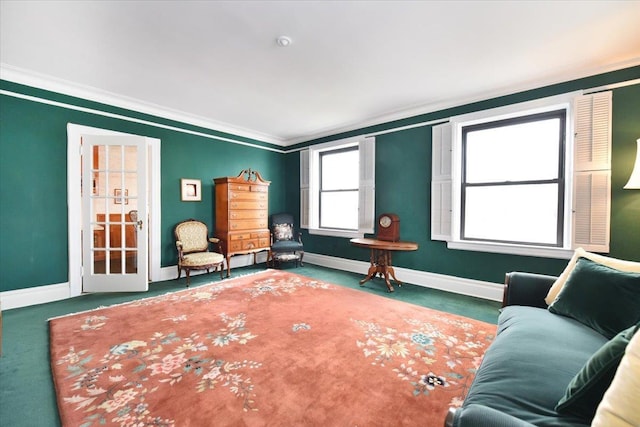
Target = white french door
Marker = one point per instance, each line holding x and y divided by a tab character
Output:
114	213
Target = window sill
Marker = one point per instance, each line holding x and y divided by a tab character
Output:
336	233
544	252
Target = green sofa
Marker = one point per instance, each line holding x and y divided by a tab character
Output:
526	370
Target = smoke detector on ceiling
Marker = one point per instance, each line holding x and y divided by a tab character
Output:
284	41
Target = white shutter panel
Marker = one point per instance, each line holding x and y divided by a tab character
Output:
367	191
593	132
441	182
304	189
441	210
592	207
441	152
592	172
304	208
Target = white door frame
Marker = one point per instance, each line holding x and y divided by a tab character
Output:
74	203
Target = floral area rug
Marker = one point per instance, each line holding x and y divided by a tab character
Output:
270	349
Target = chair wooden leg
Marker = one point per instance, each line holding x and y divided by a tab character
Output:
188	276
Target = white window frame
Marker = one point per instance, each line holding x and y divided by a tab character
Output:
310	187
583	177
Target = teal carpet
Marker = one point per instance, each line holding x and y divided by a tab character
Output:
27	396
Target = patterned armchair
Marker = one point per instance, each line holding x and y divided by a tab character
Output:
192	242
286	244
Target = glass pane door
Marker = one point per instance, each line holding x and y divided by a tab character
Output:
115	211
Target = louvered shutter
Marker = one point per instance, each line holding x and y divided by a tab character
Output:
441	182
304	189
366	191
592	172
593	132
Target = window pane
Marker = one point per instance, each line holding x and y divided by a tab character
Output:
513	213
517	152
339	210
340	170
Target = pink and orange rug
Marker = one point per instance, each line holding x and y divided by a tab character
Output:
270	349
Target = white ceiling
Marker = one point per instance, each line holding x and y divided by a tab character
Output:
351	63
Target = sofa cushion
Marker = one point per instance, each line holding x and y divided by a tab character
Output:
601	297
586	389
479	415
619	407
618	264
526	369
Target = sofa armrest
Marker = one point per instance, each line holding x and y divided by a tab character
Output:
482	416
451	416
528	289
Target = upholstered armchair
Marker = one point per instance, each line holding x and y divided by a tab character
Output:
286	243
192	242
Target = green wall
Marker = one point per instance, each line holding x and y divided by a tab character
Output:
33	179
403	174
33	182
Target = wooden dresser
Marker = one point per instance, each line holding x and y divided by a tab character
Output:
242	214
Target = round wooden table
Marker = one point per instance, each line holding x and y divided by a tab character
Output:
380	258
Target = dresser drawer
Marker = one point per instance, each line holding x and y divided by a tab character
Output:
247	224
236	245
260	235
259	188
247	195
250	234
250	244
248	214
239	236
247	245
239	187
242	204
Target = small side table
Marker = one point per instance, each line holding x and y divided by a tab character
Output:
380	258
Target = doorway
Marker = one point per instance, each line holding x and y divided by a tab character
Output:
115	257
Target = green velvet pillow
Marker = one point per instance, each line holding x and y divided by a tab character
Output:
601	297
586	389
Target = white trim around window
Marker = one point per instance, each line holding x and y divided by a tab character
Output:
588	130
310	187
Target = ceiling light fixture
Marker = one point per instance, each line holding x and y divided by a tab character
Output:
284	41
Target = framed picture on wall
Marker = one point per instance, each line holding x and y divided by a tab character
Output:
190	190
120	196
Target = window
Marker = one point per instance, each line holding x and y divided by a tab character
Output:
339	188
520	160
337	193
529	179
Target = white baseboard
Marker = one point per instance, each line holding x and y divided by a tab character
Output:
32	296
476	288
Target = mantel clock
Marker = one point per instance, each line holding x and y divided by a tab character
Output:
389	227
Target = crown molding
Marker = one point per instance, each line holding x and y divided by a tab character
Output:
422	109
46	82
65	87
